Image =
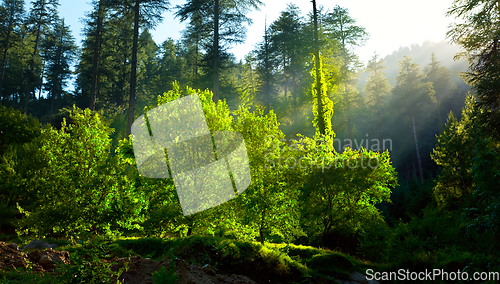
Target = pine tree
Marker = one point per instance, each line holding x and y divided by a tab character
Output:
100	13
149	13
411	98
228	19
377	88
286	46
42	14
58	51
11	17
339	26
478	35
440	77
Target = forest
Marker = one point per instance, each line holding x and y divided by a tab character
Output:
383	169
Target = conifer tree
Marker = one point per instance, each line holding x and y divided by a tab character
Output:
11	17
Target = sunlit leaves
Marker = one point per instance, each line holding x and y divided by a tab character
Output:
80	187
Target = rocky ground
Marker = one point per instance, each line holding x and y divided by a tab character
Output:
43	258
139	270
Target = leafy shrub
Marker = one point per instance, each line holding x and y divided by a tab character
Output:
87	267
16	129
373	240
164	276
80	187
332	264
414	244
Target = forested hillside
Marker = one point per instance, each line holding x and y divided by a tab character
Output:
390	164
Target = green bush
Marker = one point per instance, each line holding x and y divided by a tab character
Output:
414	244
332	264
164	276
79	187
373	240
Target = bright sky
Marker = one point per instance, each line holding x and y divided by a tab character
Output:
390	23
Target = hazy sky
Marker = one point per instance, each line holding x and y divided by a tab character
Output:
390	23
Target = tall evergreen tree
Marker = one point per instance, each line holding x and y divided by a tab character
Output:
227	17
286	47
151	14
58	51
412	98
318	85
377	88
478	33
440	77
265	70
42	14
100	13
342	28
11	18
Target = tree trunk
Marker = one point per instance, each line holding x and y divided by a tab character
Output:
97	53
267	89
52	101
321	120
4	62
440	121
57	82
133	70
41	79
284	77
261	234
418	152
32	69
216	52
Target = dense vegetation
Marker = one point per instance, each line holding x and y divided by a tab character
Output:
395	163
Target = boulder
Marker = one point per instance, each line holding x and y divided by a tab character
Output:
358	278
48	258
38	244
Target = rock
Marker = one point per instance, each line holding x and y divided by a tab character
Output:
48	258
358	278
10	257
139	269
14	246
208	269
193	274
235	279
37	244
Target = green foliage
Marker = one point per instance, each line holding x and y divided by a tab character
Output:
332	264
374	240
477	34
87	267
284	263
411	94
322	121
483	214
80	186
454	151
16	128
58	53
342	189
377	89
270	202
164	276
414	244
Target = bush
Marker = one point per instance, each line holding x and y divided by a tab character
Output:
164	276
332	264
414	244
373	240
79	187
